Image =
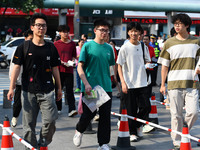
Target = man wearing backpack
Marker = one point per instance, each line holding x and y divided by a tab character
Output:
131	67
40	61
28	35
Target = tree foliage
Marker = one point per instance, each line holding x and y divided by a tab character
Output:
24	5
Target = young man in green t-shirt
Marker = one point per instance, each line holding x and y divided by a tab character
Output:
180	53
95	59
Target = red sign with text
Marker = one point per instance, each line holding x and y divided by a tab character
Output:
46	11
151	21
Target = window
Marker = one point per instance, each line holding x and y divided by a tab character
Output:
16	42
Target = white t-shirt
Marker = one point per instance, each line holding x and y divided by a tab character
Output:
19	80
131	59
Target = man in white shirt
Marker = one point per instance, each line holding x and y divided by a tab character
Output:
131	67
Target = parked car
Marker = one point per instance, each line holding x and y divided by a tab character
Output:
8	47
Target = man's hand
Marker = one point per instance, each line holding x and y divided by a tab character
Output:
163	90
10	95
124	88
198	71
88	88
59	95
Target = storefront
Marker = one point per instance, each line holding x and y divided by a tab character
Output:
19	20
156	22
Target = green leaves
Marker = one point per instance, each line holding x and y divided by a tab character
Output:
26	6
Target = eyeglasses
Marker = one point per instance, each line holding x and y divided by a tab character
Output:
103	30
178	23
39	26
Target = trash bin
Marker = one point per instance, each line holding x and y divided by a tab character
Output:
6	102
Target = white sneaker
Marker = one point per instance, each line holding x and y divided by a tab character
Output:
59	112
96	118
104	147
139	131
118	124
14	122
77	138
72	113
133	138
147	128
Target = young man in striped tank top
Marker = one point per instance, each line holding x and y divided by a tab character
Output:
180	53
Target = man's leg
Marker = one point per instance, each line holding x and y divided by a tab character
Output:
49	115
191	106
104	127
30	110
85	118
132	107
69	83
17	102
143	103
176	98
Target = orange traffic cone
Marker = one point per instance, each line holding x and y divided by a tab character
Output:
185	141
6	142
123	141
44	148
153	115
42	144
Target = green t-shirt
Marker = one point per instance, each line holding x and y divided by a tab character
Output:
97	59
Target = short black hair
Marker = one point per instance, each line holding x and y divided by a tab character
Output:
84	35
183	18
28	32
172	32
101	22
113	42
135	25
147	36
36	16
80	40
63	28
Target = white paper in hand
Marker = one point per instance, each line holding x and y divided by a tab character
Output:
197	67
102	97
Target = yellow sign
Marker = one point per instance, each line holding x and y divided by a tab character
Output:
76	2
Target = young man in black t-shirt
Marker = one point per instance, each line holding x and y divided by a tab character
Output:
40	62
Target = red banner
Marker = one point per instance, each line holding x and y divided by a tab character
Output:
46	11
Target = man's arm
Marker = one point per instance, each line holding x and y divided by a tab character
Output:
123	83
14	76
164	72
81	73
56	75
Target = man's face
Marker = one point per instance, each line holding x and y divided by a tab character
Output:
39	28
180	27
146	40
102	32
133	34
152	40
64	34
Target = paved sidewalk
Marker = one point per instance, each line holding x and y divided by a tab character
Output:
157	140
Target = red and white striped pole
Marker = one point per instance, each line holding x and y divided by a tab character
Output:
157	126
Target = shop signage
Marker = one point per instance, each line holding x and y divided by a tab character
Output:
101	12
151	21
46	11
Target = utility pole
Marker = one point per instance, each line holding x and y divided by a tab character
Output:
76	20
169	23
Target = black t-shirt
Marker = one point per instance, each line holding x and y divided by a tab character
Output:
37	66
